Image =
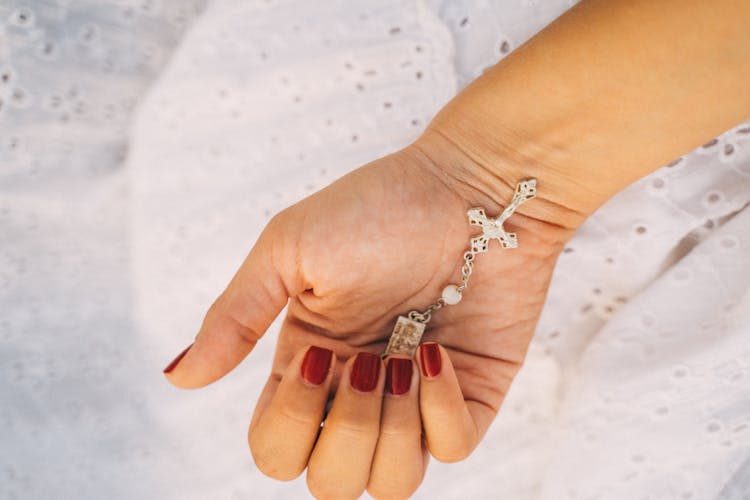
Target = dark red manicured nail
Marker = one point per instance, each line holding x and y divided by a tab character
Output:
365	372
171	366
429	356
398	375
316	364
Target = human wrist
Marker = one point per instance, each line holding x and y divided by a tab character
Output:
588	113
492	187
503	144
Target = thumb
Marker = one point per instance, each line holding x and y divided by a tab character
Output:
242	313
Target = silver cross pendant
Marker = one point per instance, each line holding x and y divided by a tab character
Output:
492	229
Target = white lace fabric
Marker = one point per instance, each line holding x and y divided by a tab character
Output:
636	382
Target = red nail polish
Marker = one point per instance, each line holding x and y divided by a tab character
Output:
365	372
398	375
171	366
316	364
429	356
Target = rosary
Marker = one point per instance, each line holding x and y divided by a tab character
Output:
408	330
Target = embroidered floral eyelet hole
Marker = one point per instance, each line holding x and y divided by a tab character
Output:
661	411
657	186
674	162
606	310
729	243
6	76
648	320
88	33
23	17
19	98
680	372
713	427
682	276
47	50
712	198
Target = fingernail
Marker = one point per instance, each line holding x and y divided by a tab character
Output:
316	364
398	375
171	366
429	356
365	372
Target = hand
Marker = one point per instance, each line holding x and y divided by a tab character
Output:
386	238
377	243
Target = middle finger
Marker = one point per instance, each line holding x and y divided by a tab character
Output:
340	463
401	455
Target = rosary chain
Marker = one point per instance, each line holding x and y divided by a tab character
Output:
492	228
466	269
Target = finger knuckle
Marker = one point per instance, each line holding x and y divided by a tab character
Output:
400	427
323	487
299	417
352	429
269	459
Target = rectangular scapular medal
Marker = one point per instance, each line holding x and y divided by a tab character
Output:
405	337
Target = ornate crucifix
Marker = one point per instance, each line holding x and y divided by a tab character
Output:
493	228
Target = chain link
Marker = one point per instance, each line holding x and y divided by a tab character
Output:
466	269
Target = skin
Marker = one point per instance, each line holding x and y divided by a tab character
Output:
604	95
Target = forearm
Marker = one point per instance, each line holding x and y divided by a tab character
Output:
604	95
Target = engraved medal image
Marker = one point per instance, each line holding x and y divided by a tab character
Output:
405	337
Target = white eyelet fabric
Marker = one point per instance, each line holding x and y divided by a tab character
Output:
143	147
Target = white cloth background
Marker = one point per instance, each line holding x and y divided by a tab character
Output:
637	382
